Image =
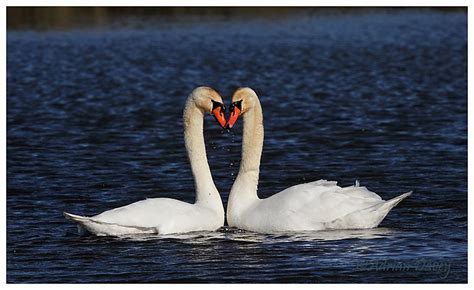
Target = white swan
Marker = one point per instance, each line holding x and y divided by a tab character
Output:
166	215
316	205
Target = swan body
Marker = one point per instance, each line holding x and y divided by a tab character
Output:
318	205
151	216
166	215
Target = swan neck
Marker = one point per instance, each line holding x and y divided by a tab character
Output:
206	191
252	141
246	183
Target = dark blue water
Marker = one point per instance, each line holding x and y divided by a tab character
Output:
94	122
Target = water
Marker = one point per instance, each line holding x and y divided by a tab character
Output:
94	122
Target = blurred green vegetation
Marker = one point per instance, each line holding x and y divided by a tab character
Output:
45	18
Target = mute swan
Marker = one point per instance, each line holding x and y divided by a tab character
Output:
166	215
315	205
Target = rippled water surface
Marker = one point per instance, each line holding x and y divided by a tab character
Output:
94	122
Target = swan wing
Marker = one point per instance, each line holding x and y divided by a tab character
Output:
323	204
323	199
147	213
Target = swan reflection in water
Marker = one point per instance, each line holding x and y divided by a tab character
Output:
238	235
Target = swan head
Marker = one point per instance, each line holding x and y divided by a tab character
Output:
208	100
243	100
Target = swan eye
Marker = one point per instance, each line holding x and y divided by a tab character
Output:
236	104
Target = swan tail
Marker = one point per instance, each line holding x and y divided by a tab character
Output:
87	225
391	203
83	223
75	218
369	217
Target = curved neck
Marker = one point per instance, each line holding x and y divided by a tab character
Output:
206	191
245	185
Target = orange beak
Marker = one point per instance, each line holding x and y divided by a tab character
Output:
235	110
218	110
